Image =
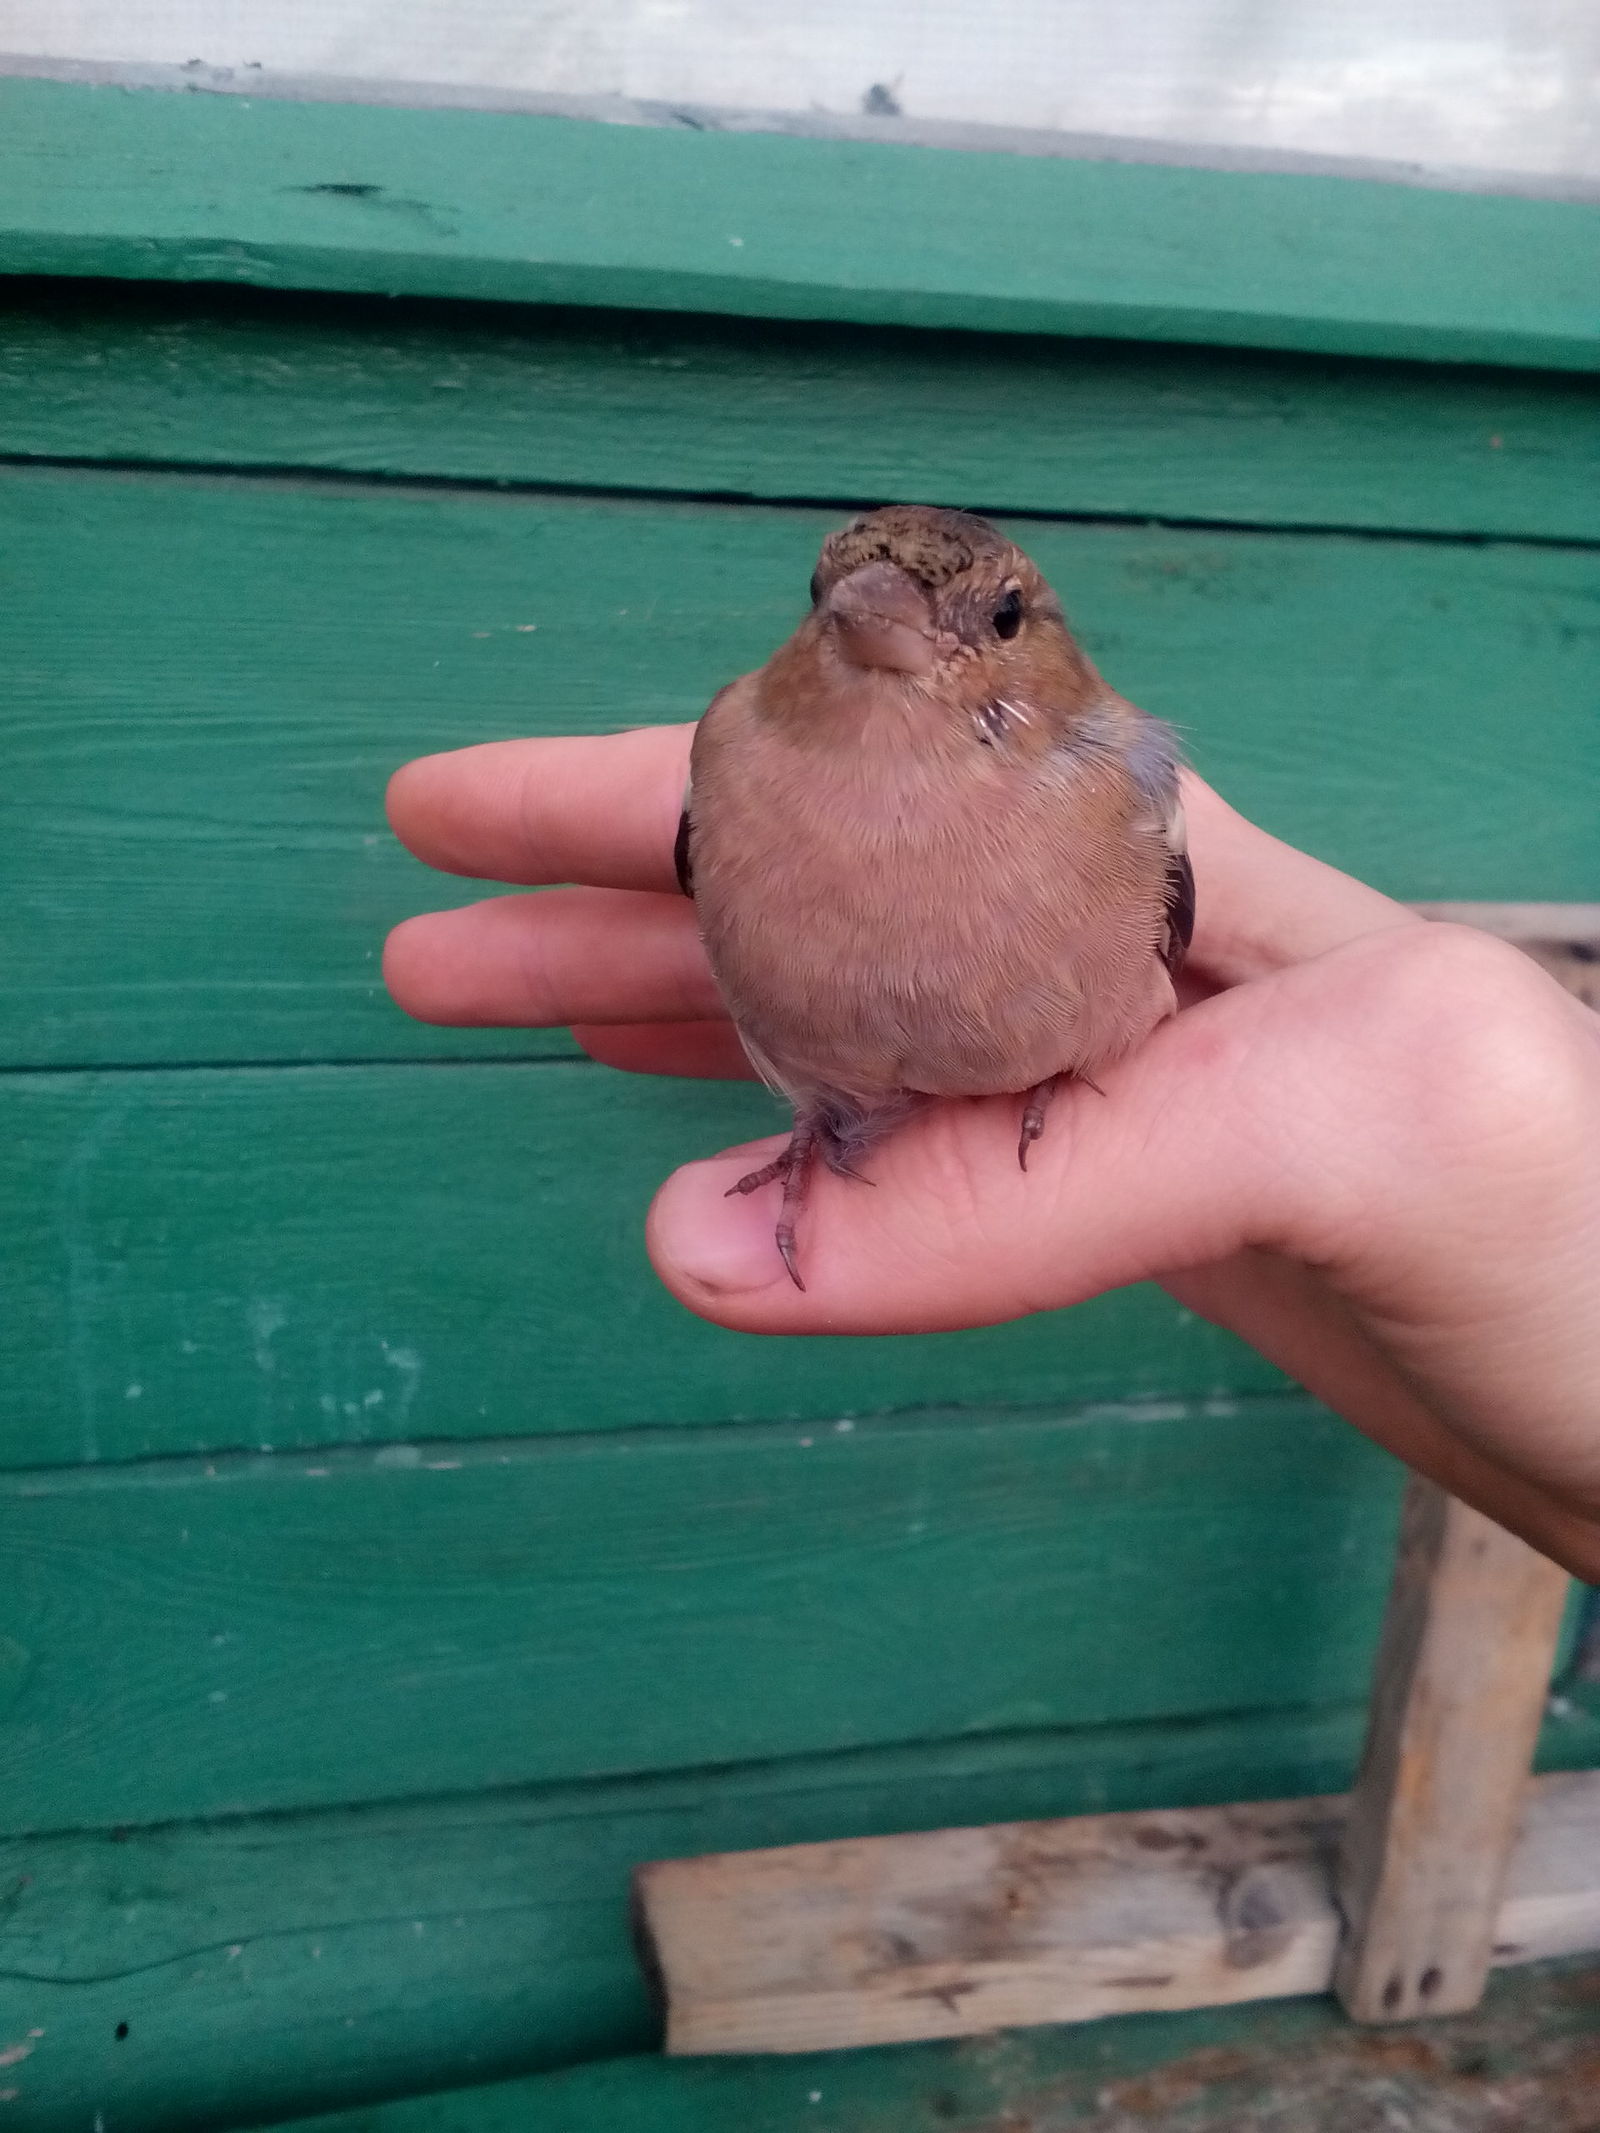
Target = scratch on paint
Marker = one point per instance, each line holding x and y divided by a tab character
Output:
88	1277
267	1317
407	1364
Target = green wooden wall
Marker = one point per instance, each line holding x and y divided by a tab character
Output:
388	1564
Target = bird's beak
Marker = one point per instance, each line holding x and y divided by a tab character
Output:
880	617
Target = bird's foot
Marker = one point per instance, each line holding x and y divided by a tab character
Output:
832	1134
793	1166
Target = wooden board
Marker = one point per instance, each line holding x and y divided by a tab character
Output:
887	1940
203	1260
186	1638
1458	1693
265	1966
210	680
156	186
780	410
1526	2059
269	1965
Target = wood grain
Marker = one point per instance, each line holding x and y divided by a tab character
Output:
1462	1674
210	680
190	1638
159	186
893	1939
778	410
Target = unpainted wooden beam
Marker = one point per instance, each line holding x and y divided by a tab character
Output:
1563	939
1462	1675
885	1940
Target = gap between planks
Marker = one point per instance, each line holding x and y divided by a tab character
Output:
359	481
890	1940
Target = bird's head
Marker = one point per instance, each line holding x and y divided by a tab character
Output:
951	614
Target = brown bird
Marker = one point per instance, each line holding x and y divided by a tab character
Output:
932	853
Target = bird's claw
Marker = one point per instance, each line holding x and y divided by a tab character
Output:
793	1166
1033	1117
784	1234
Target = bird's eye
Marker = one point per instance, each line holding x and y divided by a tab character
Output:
1008	615
816	587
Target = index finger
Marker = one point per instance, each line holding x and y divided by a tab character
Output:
601	810
1261	904
604	811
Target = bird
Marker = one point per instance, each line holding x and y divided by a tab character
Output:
932	854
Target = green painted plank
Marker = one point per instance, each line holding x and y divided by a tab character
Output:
208	681
297	1257
777	410
153	185
267	1966
276	1965
1526	2058
264	1966
196	1638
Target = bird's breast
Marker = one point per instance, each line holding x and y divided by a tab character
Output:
879	923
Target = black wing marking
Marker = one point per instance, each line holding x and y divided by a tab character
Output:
1180	911
680	856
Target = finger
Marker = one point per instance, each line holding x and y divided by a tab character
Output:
1260	904
540	962
707	1050
602	810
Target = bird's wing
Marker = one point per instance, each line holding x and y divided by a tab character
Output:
682	865
1150	754
1179	930
682	860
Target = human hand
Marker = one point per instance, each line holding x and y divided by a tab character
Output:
1370	1145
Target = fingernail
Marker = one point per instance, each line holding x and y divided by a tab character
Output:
701	1239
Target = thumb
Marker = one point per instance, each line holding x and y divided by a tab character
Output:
1192	1154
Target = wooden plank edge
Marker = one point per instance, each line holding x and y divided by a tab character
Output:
891	1940
527	208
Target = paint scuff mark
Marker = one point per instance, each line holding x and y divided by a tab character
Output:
267	1319
407	1366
